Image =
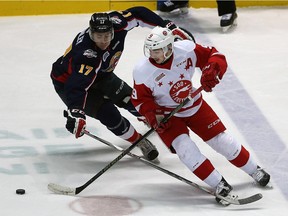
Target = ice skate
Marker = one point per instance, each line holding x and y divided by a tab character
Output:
228	21
149	151
223	189
171	8
261	177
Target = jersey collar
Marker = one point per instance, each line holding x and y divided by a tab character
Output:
166	65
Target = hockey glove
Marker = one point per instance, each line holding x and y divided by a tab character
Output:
154	121
210	76
178	32
76	121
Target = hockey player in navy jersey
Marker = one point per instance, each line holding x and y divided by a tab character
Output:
162	81
84	79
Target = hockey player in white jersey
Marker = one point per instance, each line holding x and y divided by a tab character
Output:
162	81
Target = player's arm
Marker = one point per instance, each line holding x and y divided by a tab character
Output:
78	83
147	18
143	101
213	65
82	77
144	17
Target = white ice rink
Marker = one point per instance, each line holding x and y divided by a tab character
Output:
35	148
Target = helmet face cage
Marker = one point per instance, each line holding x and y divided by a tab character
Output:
100	23
159	38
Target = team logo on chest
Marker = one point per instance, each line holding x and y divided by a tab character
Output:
113	61
180	90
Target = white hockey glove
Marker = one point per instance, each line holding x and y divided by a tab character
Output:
76	121
178	32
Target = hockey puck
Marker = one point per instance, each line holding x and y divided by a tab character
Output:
20	191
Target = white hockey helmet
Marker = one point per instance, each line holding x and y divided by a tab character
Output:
159	38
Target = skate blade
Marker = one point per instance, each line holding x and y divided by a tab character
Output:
269	186
229	28
173	13
156	161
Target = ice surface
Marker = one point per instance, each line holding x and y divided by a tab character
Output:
35	148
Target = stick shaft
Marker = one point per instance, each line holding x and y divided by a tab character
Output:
126	151
174	175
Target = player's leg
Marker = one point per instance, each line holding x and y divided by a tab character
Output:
108	114
178	141
207	125
239	156
118	91
191	156
227	11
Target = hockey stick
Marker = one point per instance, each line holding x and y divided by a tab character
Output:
235	201
73	191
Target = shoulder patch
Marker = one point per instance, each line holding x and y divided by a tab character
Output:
90	53
159	77
116	20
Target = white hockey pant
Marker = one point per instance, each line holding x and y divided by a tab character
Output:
191	156
227	146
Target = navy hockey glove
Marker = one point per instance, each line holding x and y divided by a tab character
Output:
179	32
76	121
210	76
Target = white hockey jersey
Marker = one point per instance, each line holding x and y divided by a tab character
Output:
166	86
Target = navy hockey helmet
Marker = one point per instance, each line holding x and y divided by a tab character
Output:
100	22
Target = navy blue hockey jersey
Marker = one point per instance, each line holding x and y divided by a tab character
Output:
84	64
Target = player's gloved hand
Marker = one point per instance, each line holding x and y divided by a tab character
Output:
210	76
154	120
76	121
178	32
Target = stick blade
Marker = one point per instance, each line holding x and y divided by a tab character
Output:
241	201
250	199
59	189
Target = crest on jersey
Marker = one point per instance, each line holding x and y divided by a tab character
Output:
181	90
90	53
113	61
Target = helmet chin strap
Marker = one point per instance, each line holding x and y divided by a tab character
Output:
90	35
165	52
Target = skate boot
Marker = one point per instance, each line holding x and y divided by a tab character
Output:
228	21
172	6
223	189
261	177
149	151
